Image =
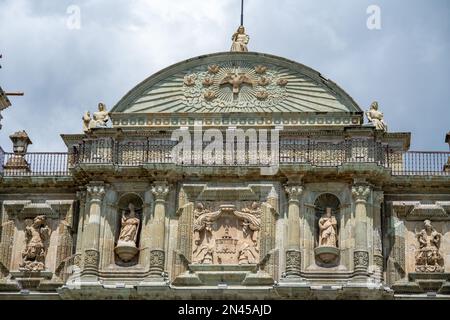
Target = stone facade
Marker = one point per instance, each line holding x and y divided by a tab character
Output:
345	211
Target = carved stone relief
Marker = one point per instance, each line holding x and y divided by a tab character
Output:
428	257
227	235
37	234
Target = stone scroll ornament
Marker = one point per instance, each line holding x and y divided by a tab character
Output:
428	257
227	235
126	247
37	234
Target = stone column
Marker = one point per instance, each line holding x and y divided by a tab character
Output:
293	253
81	195
146	229
361	192
377	240
157	254
91	234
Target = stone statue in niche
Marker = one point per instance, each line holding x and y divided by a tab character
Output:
36	235
240	40
328	230
428	257
376	117
227	235
327	252
126	247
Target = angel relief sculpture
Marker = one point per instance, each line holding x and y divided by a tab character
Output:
36	235
428	257
251	224
203	234
226	236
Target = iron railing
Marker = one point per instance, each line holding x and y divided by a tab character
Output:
290	151
35	164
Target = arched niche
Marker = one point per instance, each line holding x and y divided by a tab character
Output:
127	252
327	229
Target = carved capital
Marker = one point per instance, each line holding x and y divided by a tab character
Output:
361	192
96	191
294	192
160	190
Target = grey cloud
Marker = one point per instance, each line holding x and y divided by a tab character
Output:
65	72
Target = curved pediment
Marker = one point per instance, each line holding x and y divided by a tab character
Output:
235	82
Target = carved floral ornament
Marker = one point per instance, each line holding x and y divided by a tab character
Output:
237	83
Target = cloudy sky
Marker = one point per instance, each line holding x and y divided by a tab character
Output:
65	70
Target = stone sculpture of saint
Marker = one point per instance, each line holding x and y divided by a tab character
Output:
86	121
428	257
240	40
328	230
36	235
101	117
129	227
376	117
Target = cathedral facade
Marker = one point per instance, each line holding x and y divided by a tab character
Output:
234	175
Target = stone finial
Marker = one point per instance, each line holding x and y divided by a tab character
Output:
240	40
20	142
17	161
376	117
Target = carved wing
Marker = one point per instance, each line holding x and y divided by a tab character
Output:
255	224
246	79
225	80
200	223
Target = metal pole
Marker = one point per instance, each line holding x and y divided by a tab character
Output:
242	12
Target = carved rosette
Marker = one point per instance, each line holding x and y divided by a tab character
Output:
156	262
361	260
160	190
361	192
91	259
293	263
294	192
